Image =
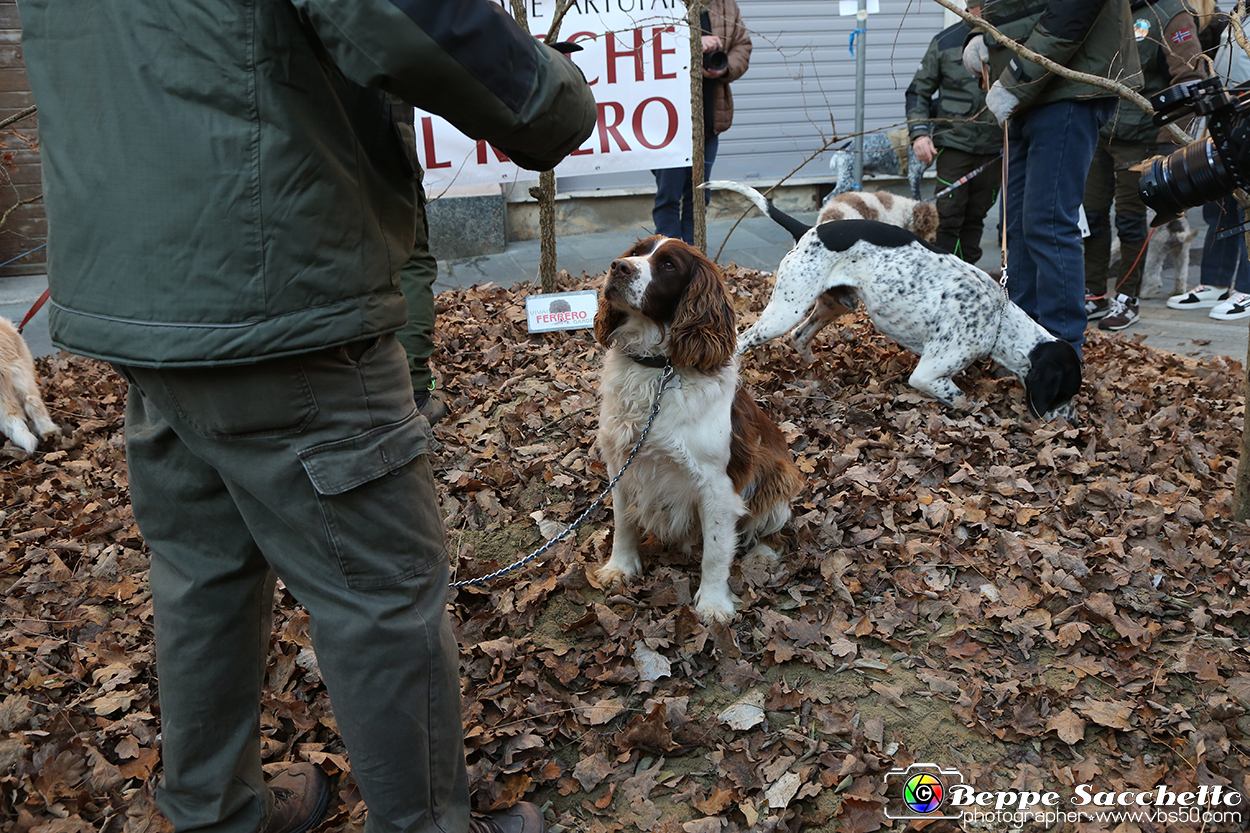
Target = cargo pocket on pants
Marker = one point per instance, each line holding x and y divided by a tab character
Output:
378	502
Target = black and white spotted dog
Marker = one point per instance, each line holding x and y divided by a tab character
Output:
880	157
944	310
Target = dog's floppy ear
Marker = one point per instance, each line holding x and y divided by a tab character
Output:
704	332
607	319
924	221
1054	376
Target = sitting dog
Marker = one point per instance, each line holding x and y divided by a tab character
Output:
1168	245
883	154
713	463
920	218
946	311
19	393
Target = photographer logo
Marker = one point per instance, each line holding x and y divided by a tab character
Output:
920	791
923	793
927	791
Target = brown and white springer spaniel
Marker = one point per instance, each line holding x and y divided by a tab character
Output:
713	465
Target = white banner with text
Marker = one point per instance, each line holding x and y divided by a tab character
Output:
636	57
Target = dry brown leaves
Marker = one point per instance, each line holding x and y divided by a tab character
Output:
1033	604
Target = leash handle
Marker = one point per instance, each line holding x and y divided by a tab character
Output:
1003	196
43	299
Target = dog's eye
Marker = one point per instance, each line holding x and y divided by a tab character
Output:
667	265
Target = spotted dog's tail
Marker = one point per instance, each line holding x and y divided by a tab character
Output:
796	228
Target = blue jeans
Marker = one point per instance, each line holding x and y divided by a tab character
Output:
1224	261
1049	150
673	213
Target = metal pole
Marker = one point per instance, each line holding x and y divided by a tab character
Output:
861	21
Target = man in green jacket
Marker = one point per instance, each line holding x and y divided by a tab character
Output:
229	203
1052	128
1169	51
957	130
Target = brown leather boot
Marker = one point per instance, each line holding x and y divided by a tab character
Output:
300	795
521	817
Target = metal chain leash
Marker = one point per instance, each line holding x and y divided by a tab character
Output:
665	377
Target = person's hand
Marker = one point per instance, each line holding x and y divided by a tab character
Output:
976	55
710	44
1001	101
923	146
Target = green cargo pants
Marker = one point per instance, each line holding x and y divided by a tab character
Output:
312	467
961	213
1112	180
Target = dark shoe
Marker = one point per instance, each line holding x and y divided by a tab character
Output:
1096	306
300	795
1123	314
431	406
521	817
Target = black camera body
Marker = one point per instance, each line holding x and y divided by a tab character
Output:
715	60
1202	171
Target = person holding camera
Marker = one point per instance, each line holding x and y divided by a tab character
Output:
1052	127
726	56
229	202
1224	279
955	129
1170	53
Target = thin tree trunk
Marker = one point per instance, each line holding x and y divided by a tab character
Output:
1241	489
545	193
698	139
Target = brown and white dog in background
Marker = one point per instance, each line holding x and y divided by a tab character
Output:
19	393
920	218
713	465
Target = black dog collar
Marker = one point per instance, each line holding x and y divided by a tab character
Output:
658	362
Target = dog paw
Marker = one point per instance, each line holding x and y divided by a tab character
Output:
716	607
764	553
610	576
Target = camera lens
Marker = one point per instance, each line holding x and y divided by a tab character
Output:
1191	176
715	60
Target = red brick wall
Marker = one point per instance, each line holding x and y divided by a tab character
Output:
25	226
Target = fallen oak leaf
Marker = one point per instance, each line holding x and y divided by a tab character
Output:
745	713
783	790
1068	725
591	771
1114	714
651	665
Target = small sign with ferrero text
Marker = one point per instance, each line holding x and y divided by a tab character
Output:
561	311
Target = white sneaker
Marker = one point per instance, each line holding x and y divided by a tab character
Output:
1237	306
1200	297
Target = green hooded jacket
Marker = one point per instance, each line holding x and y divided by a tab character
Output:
957	117
1090	36
224	180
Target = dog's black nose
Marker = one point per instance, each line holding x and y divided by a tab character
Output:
622	268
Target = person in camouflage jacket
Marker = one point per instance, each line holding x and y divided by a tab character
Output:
1169	50
947	121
